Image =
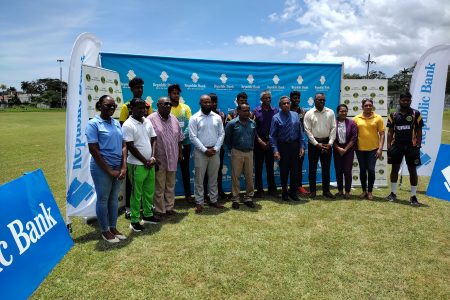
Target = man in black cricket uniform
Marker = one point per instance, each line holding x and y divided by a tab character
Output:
404	140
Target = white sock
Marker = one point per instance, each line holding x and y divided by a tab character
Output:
413	190
394	187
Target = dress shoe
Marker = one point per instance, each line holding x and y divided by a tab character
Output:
250	204
258	194
329	195
235	205
294	197
285	197
347	196
363	195
189	200
274	194
312	195
216	205
171	212
224	196
339	195
369	196
198	208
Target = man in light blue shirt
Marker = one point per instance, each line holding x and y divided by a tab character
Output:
286	138
206	134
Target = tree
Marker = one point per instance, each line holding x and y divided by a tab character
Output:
353	76
45	90
3	88
400	81
377	75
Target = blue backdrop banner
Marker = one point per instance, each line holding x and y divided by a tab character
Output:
439	185
227	78
33	235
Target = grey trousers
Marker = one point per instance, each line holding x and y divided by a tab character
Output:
208	166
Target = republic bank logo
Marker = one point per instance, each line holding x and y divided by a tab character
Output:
131	74
164	76
425	159
78	192
195	77
300	79
223	78
322	80
250	79
276	79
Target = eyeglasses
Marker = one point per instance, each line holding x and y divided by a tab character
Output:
167	104
110	106
285	103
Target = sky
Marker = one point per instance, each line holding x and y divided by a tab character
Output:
35	34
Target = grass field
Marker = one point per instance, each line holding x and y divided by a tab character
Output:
348	249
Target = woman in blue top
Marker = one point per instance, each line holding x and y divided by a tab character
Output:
108	165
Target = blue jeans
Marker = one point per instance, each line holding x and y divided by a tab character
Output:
367	161
107	189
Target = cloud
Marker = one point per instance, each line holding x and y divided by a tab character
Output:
255	40
284	45
395	33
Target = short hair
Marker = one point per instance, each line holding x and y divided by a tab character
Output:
136	101
341	105
265	92
98	104
135	81
315	96
241	95
282	98
172	87
406	95
365	100
294	93
239	107
213	97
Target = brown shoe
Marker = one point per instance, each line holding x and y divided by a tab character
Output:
171	212
363	195
312	195
369	196
198	208
189	199
216	205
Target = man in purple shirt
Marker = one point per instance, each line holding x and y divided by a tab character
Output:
167	154
263	117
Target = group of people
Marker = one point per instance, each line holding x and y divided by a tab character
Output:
146	148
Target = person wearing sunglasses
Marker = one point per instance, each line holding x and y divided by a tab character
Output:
167	153
108	166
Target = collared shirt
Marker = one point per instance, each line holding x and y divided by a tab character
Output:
286	127
368	131
240	136
169	135
405	126
206	131
125	112
320	124
140	133
183	113
108	135
263	119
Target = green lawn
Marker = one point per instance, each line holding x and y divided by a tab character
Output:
318	249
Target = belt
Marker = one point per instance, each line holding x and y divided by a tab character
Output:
244	150
289	141
322	140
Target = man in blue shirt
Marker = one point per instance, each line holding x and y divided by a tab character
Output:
286	138
239	138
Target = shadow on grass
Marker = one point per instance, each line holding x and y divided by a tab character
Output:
174	219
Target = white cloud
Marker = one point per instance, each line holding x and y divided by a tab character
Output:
255	40
272	42
395	33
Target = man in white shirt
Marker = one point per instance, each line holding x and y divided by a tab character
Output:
320	127
140	137
206	134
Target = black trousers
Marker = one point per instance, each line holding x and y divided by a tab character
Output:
289	166
300	171
219	176
262	156
185	172
325	160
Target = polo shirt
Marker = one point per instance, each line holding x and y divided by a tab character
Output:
405	126
140	133
183	113
108	135
368	131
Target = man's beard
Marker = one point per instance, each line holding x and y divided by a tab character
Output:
206	110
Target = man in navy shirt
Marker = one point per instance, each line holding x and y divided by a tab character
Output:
286	138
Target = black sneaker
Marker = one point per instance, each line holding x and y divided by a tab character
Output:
414	202
136	227
250	204
235	205
151	220
392	197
